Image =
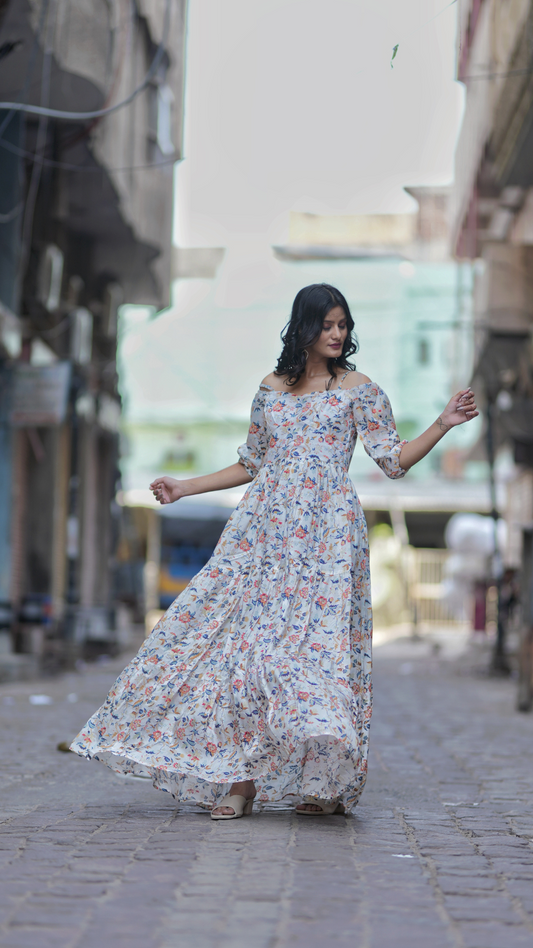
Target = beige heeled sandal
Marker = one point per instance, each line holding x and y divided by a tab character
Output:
327	807
241	806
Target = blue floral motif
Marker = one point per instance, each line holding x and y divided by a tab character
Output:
261	668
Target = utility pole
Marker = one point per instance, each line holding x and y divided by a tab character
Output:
499	663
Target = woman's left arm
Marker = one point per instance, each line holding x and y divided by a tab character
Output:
461	408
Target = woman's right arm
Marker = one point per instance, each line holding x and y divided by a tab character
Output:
167	489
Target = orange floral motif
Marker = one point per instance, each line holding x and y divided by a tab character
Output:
211	749
300	533
322	601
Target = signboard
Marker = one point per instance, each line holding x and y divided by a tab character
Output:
40	394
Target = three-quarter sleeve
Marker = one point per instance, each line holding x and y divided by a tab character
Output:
377	429
251	454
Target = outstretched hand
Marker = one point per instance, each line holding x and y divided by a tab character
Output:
462	407
167	489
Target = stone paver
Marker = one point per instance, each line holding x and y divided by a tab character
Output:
439	854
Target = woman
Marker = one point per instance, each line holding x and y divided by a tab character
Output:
257	679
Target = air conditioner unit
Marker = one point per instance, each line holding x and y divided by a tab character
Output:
81	335
50	277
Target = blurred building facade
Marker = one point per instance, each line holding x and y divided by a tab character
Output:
85	225
492	223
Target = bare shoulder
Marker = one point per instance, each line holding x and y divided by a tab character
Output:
271	380
353	379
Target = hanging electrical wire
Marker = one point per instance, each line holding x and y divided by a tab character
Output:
124	41
99	113
67	166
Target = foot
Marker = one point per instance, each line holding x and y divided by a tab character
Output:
245	788
327	807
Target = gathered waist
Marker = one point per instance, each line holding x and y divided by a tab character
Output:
295	465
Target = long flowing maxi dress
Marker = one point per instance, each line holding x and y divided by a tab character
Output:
261	668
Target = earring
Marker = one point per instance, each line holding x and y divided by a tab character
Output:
306	354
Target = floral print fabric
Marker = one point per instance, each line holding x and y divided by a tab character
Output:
261	668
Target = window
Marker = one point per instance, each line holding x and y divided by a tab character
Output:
423	352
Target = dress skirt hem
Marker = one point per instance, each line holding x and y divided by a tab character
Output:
187	786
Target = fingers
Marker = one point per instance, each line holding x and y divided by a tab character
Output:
158	490
466	401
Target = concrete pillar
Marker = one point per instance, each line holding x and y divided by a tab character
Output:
59	527
89	516
19	495
6	439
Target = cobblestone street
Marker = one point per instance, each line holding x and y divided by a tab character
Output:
439	854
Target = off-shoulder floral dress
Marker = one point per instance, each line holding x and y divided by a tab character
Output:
261	668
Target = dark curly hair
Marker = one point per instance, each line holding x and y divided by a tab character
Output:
309	310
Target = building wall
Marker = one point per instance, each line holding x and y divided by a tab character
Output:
493	225
97	213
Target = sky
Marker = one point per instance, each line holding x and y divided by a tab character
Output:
293	105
